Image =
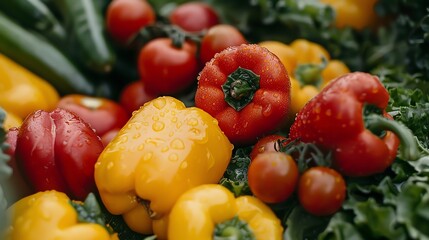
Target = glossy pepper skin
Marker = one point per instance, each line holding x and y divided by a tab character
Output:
23	92
49	215
247	89
57	151
334	119
163	150
200	213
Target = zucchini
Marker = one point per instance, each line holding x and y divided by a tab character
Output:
85	21
35	15
42	58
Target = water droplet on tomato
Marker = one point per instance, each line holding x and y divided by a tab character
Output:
37	114
267	111
328	112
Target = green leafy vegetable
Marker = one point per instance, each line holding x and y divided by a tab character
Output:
235	177
5	169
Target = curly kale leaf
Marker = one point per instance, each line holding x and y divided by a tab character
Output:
235	176
5	169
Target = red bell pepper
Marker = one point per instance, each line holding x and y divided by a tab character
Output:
361	145
247	89
57	151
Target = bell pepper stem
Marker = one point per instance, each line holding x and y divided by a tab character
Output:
409	147
240	88
233	229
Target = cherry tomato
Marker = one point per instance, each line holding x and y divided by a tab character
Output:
124	18
321	191
268	143
272	176
134	95
102	114
166	69
194	16
108	136
218	38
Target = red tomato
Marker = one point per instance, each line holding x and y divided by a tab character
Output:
321	191
134	95
194	16
58	151
107	137
166	69
266	144
124	18
272	176
102	114
218	38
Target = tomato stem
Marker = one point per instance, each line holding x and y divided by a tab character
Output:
409	146
240	87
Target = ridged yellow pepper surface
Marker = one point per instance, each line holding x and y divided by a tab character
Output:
49	215
22	92
211	210
164	150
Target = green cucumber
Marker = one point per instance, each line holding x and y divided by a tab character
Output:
42	58
85	21
35	15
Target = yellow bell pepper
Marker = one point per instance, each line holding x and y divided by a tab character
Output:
310	68
212	210
309	52
284	52
50	215
23	92
357	14
163	150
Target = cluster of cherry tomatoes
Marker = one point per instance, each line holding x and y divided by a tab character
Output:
169	66
320	190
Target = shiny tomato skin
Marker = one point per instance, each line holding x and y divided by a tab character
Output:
124	18
166	69
108	137
134	95
102	114
273	176
321	191
268	143
218	38
194	16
